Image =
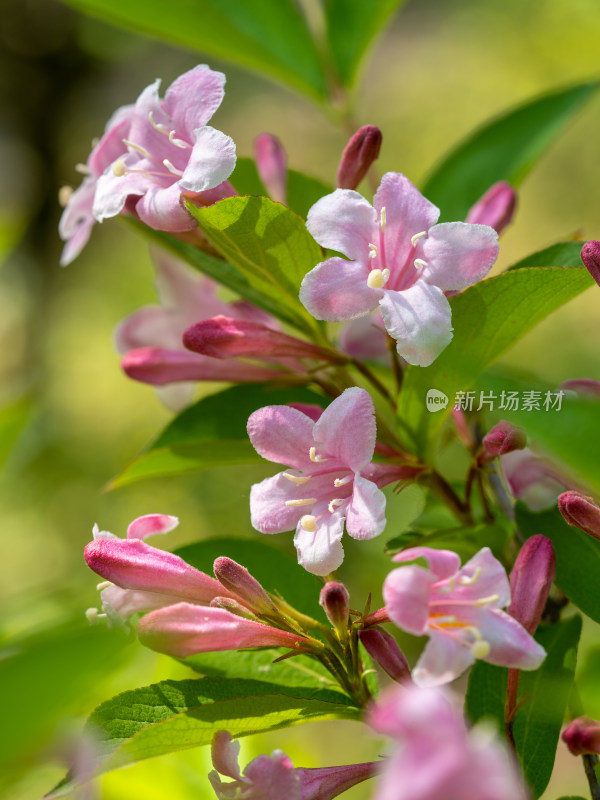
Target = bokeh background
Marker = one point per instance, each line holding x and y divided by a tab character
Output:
70	420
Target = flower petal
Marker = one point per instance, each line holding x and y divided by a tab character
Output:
344	221
442	563
151	326
283	435
365	338
125	602
346	429
459	254
111	146
268	511
336	290
225	753
321	551
482	577
510	644
158	366
113	190
274	777
162	209
211	162
365	515
150	525
442	660
193	98
419	319
406	594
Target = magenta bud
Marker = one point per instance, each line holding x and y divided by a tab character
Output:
335	600
590	255
530	581
582	736
582	386
271	162
325	783
360	152
580	511
383	649
503	438
240	582
234	607
496	208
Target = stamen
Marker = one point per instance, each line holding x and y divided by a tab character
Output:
64	195
480	649
307	501
178	142
342	481
172	169
378	278
314	457
118	168
103	585
296	478
95	141
484	601
419	264
137	147
372	250
382	218
93	615
335	502
309	523
157	127
414	239
466	581
82	169
449	620
451	586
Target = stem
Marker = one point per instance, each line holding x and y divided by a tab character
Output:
484	499
374	381
445	492
590	760
510	707
396	365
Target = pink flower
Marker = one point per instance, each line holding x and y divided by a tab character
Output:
171	152
532	479
359	155
271	163
330	481
400	260
438	759
459	609
580	511
274	777
495	208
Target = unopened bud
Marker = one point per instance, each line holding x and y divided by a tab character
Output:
360	152
335	600
238	580
271	162
590	255
585	387
496	208
382	647
530	581
233	607
503	438
582	736
580	511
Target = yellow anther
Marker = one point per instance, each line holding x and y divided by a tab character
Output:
335	502
103	585
93	615
296	478
119	169
309	523
137	147
378	278
314	457
64	195
372	250
382	218
307	501
480	649
414	239
466	581
484	601
419	264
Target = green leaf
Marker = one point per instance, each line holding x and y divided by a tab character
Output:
266	36
488	318
577	556
561	254
266	242
351	27
505	149
537	725
211	433
464	541
486	694
176	715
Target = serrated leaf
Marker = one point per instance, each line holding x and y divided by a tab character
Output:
176	715
488	318
504	149
266	36
268	244
211	433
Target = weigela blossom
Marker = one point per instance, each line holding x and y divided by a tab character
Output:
331	479
274	777
459	608
532	479
399	259
437	758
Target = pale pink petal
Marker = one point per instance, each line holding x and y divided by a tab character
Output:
365	338
442	660
150	525
189	292
126	602
458	254
77	241
482	577
113	190
211	161
344	221
419	319
193	98
365	515
346	430
225	753
283	435
531	479
151	137
406	594
274	777
158	366
321	551
268	511
77	220
510	644
151	326
271	163
442	563
111	145
162	209
336	290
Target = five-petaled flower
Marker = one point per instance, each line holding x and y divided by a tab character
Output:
459	608
400	260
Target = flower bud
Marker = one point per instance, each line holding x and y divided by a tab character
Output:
382	647
580	511
335	599
590	255
503	438
582	736
495	208
234	607
582	386
530	581
238	580
360	152
271	162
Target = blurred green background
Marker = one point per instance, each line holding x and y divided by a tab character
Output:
71	420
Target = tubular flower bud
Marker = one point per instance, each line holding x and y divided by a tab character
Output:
590	255
234	607
271	162
582	736
580	511
502	439
382	647
530	581
495	208
238	580
360	152
335	599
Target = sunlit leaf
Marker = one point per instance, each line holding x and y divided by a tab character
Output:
561	254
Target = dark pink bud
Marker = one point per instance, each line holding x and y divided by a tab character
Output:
325	783
503	438
238	580
496	208
582	736
335	600
580	511
384	650
360	152
583	386
590	255
271	162
530	581
226	337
